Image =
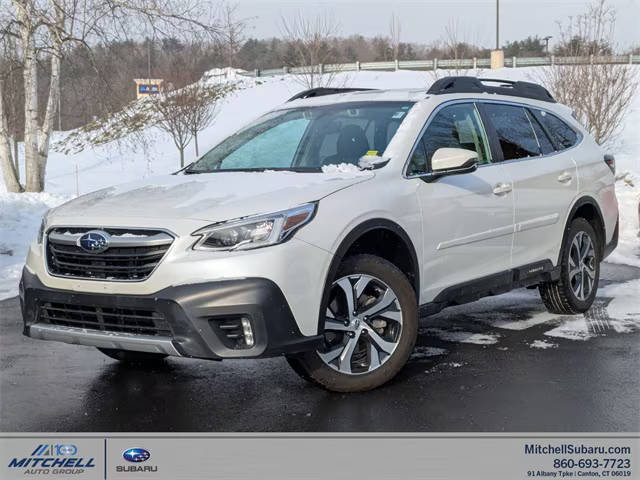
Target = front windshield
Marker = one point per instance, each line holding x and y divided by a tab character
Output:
306	139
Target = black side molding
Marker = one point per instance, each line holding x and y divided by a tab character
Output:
495	284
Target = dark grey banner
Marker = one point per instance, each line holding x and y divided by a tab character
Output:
288	456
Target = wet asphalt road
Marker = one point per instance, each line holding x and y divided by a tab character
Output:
578	385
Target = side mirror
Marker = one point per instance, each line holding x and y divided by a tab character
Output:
453	161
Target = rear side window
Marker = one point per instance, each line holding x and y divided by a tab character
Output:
513	128
543	140
563	135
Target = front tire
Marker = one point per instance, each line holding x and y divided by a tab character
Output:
129	356
370	328
576	289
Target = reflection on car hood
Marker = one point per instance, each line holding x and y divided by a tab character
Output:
211	196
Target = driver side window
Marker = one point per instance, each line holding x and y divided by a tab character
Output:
455	126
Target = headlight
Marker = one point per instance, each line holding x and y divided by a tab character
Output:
254	232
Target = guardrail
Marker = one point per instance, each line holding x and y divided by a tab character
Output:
434	64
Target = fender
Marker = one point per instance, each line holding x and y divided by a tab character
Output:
347	243
584	200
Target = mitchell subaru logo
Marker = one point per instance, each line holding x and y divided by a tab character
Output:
95	241
136	455
53	458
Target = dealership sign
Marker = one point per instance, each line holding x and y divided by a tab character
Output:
148	89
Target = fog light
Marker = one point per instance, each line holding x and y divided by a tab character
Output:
248	332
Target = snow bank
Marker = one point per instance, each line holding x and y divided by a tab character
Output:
628	250
20	217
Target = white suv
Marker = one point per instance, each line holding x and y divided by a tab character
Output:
323	230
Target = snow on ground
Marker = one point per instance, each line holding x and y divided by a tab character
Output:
113	163
542	344
576	328
461	336
624	308
420	352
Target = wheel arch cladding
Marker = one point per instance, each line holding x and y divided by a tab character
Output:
587	208
380	237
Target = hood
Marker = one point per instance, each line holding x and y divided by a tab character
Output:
211	197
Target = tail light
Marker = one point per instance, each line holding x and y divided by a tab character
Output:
610	160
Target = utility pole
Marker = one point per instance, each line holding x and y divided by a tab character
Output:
149	61
546	43
497	24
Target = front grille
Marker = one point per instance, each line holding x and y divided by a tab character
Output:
107	319
132	254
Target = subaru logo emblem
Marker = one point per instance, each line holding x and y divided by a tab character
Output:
95	241
136	455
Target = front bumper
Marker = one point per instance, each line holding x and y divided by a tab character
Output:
191	311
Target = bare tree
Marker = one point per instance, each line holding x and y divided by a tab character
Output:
232	32
173	114
203	99
455	43
9	161
309	40
456	46
45	29
599	94
394	35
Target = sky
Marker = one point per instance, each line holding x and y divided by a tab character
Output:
424	21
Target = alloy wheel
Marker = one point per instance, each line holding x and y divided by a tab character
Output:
363	324
582	266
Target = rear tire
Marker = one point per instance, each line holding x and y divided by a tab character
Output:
129	356
576	289
368	346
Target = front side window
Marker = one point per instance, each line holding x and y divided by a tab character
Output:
513	128
455	126
305	139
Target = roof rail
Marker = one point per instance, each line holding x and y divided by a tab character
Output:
502	87
321	91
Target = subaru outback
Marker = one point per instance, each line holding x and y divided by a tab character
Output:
323	230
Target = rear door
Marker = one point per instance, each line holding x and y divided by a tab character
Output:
468	218
544	179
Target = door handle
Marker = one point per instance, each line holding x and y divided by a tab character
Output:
502	188
565	177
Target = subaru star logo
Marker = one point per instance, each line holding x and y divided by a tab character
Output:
95	241
136	455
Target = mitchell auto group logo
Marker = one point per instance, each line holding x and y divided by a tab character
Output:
53	459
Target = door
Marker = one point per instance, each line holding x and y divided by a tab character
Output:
544	180
468	218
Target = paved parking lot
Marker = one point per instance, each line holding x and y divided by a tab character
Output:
501	364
